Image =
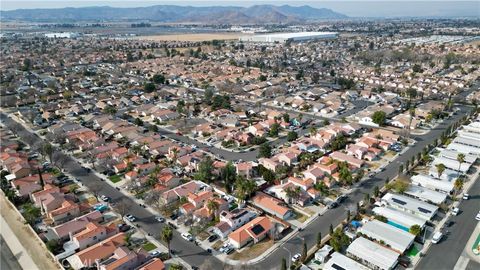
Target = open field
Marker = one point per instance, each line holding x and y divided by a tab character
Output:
191	37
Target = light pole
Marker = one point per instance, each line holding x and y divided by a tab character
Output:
289	257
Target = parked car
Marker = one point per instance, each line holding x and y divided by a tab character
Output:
296	257
224	247
104	198
187	236
172	225
229	250
478	216
466	196
437	237
212	238
332	205
123	227
154	254
455	211
160	219
130	218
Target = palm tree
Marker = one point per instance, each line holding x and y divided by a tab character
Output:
412	114
440	169
293	193
212	207
167	235
458	184
460	159
244	187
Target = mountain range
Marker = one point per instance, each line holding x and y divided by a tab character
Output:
258	14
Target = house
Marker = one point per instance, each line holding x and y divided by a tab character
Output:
254	231
63	231
124	258
67	211
204	213
403	120
154	264
232	220
287	159
269	163
373	255
184	190
245	169
88	257
352	161
272	205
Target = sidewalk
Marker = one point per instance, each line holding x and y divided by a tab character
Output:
26	246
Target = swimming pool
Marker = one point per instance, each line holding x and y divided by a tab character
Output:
398	226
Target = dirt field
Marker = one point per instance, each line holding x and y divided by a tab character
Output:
192	37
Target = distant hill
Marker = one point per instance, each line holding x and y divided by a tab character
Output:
170	13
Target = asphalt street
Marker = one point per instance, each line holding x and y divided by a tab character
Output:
445	254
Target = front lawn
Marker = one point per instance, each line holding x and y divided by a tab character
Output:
253	251
115	178
148	246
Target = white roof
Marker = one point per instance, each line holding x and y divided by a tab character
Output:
399	217
396	238
297	34
413	206
469	135
373	253
451	164
339	261
467	141
432	183
464	148
473	127
452	154
426	194
322	253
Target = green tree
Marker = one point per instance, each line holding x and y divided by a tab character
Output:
205	170
244	187
228	175
440	169
376	191
458	185
149	87
158	79
208	96
31	213
379	118
415	229
47	151
265	150
461	160
167	235
286	117
274	130
262	78
292	136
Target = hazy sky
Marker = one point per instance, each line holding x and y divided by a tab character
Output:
354	8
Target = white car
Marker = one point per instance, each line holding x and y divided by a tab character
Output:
104	198
455	211
478	216
466	196
187	237
154	254
296	257
437	237
224	247
130	218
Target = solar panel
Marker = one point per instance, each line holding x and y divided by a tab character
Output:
257	229
423	210
338	267
398	201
